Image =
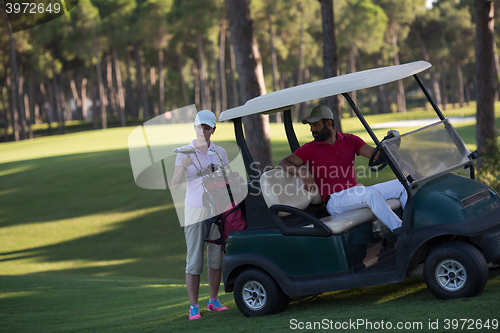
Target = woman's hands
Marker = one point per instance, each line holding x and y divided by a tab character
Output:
186	161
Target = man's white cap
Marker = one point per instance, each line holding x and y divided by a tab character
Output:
206	117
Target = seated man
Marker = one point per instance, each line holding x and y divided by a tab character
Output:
328	162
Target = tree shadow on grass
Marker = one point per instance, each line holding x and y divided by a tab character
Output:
64	187
147	246
82	304
52	189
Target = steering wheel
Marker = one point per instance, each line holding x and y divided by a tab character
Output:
380	161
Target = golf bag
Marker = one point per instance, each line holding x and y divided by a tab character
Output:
222	194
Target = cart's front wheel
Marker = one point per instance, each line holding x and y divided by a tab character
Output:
455	270
257	294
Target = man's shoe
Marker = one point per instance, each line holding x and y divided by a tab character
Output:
215	305
194	312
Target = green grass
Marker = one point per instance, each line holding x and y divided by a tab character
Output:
85	303
83	249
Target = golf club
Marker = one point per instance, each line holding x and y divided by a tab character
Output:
213	151
188	150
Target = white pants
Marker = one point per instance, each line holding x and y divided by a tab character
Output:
373	197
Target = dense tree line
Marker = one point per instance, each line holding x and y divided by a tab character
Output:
123	60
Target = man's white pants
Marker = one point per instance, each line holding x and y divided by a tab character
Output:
372	197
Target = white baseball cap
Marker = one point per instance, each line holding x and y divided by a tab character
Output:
206	117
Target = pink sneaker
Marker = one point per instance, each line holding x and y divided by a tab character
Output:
194	312
215	305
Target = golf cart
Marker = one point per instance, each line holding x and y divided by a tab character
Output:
292	247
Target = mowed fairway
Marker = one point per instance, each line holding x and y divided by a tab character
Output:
83	249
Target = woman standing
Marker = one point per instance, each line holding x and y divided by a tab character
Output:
196	213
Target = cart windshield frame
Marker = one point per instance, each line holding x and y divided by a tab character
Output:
428	152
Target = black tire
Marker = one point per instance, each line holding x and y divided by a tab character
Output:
257	294
455	270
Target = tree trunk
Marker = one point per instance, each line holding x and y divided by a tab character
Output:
274	61
460	84
300	76
216	83
197	97
186	116
130	104
236	94
84	98
154	109
42	101
36	105
434	81
185	95
57	112
352	69
33	111
151	71
283	80
381	94
62	99
7	114
400	92
369	91
13	106
111	87
330	56
444	85
161	80
222	63
27	112
206	101
22	107
485	91
140	82
95	109
251	78
74	92
15	95
102	96
48	111
39	106
497	72
119	86
468	85
303	106
435	88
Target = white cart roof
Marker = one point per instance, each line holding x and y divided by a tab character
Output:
286	98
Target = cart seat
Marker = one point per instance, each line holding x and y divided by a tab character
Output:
339	223
281	188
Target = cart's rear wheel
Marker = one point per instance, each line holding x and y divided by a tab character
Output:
257	294
455	270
